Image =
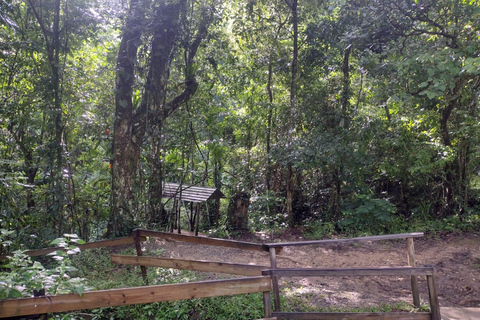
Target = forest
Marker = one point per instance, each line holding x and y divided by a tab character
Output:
352	117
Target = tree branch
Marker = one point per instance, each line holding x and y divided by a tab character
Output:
190	88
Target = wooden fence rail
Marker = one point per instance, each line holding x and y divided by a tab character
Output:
146	294
203	240
90	245
192	265
352	316
346	240
353	272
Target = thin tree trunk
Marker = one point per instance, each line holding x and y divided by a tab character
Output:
293	4
335	194
269	125
52	39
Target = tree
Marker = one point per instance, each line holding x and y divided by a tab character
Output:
159	100
46	80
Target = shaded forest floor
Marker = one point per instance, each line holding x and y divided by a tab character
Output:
456	258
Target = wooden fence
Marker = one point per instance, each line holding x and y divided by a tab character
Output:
91	245
262	279
411	262
126	296
434	314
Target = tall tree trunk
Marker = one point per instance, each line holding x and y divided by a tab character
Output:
131	125
156	214
126	142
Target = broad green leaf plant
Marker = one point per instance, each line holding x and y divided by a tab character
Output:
23	277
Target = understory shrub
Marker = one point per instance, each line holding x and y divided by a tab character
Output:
23	277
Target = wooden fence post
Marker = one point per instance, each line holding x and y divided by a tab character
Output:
413	279
138	247
276	291
197	217
267	304
432	294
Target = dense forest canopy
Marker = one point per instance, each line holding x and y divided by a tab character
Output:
358	116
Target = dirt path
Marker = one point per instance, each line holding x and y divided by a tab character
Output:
455	257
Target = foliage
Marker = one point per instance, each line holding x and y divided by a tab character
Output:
264	215
319	230
369	214
382	136
25	277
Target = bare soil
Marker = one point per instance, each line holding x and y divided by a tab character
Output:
456	258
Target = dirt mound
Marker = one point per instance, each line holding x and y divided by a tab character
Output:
455	257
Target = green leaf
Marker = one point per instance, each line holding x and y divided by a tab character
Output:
79	289
431	94
71	269
57	241
79	241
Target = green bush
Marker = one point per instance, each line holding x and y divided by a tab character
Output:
368	215
24	277
319	230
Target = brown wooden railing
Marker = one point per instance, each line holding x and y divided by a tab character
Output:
262	279
138	295
90	245
434	313
274	247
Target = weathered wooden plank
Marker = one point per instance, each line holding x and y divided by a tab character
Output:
433	297
267	305
352	316
138	248
345	272
359	239
119	297
193	265
90	245
275	288
413	279
205	241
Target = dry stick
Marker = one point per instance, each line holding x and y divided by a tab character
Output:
413	279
